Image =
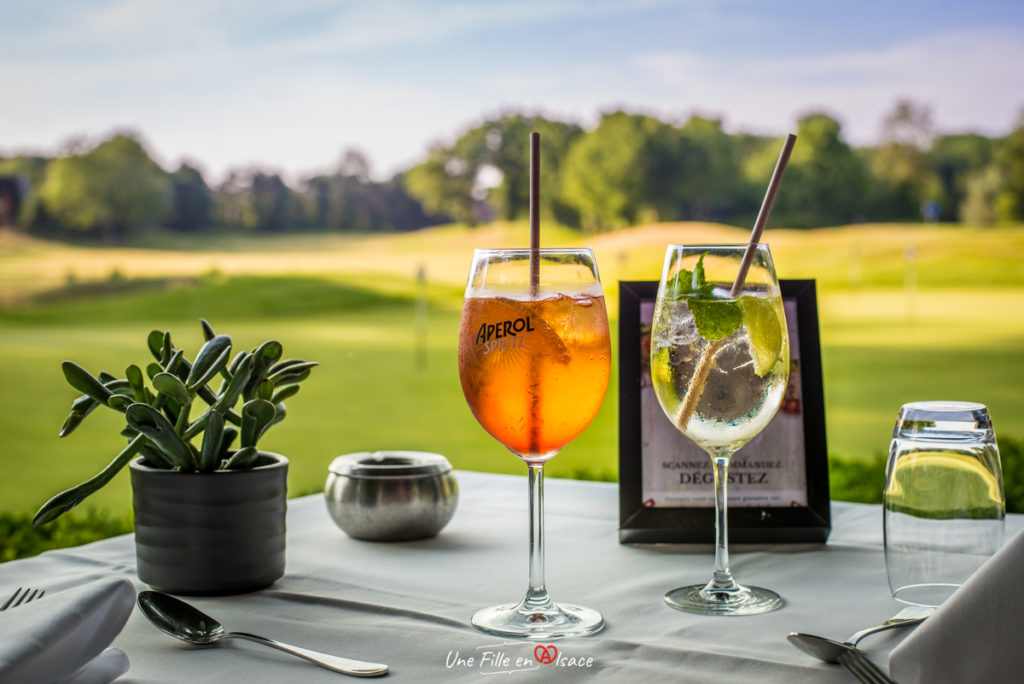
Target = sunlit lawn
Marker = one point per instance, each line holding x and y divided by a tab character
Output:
943	324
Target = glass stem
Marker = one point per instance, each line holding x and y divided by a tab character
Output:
537	599
723	581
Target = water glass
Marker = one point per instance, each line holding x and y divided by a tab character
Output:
943	502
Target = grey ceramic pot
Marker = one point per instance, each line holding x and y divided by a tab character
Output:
210	533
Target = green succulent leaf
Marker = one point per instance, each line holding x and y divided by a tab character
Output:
227	399
242	458
235	386
216	351
83	381
166	350
257	416
119	386
80	408
68	499
265	356
152	369
153	425
270	352
174	362
233	368
285	393
265	389
172	386
229	436
208	333
155	342
134	375
119	402
278	417
292	374
287	363
155	457
209	453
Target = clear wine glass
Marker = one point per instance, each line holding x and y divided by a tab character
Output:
719	366
534	360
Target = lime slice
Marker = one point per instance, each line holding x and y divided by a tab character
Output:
765	332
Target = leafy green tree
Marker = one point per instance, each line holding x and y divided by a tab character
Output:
113	189
709	182
349	201
825	180
258	201
28	172
272	202
623	171
487	170
1009	157
903	174
502	146
191	200
957	158
443	183
983	189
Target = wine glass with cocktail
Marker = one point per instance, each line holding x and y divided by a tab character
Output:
719	366
534	362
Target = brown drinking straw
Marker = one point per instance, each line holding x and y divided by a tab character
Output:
762	215
534	212
700	374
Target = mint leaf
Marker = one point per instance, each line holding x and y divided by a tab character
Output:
680	285
686	283
700	279
715	318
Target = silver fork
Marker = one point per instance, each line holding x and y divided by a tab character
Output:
861	667
22	596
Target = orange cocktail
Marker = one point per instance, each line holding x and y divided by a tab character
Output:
534	371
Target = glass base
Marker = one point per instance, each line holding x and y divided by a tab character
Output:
928	594
745	601
558	620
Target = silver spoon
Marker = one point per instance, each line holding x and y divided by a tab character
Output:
186	622
829	650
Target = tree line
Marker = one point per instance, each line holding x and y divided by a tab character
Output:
629	168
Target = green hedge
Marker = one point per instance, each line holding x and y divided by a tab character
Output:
850	480
862	481
19	539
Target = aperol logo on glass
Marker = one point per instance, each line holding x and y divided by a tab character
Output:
503	335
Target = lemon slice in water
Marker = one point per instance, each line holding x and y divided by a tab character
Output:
765	332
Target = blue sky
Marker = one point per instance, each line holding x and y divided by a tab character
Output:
288	85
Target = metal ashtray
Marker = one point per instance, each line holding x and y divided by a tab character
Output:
391	495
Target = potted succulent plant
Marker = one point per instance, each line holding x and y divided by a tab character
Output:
209	519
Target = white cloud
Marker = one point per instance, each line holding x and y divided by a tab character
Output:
289	85
971	79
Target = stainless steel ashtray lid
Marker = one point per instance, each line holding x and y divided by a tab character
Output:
391	495
387	464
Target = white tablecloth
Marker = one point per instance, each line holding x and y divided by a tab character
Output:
408	604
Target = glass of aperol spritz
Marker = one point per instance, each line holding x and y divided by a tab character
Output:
534	361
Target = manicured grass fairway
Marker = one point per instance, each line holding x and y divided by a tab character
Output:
955	332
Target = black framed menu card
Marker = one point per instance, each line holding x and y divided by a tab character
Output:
778	482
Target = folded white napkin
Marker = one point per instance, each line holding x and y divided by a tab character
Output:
60	639
977	635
